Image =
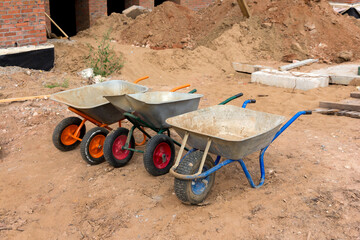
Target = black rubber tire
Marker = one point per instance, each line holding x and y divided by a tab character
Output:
108	148
149	153
189	166
56	137
84	146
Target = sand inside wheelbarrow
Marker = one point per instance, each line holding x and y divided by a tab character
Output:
229	123
92	96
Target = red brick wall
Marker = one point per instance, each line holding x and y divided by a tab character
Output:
146	3
82	14
22	22
97	9
47	10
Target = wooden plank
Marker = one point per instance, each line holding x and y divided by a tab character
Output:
23	99
244	8
355	94
340	105
298	64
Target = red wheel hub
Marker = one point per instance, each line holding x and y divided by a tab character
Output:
162	155
117	150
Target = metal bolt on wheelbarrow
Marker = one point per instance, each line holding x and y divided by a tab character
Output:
88	103
148	110
229	132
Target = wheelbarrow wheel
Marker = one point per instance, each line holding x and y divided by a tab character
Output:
63	132
91	147
113	152
194	191
159	155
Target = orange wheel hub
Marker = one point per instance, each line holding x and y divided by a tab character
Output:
68	133
96	146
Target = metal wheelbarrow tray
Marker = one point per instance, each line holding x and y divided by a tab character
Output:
227	131
235	132
90	101
148	110
155	107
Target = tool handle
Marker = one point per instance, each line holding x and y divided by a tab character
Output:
231	98
180	87
140	79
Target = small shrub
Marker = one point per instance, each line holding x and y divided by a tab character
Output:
65	84
103	60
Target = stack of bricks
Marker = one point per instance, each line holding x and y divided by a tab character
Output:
22	22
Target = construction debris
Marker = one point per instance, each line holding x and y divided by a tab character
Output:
134	11
248	68
348	107
341	74
294	80
298	64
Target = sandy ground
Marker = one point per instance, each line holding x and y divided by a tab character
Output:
312	171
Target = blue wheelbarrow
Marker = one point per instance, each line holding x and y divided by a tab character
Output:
227	131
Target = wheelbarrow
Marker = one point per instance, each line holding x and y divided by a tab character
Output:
229	132
148	110
88	103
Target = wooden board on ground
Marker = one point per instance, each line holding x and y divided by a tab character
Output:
355	94
347	104
23	99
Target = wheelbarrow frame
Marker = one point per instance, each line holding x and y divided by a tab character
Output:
140	124
201	175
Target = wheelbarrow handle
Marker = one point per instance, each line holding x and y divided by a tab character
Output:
140	79
248	101
180	87
288	123
231	98
193	91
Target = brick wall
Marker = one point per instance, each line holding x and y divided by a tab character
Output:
22	22
47	10
146	3
82	14
97	9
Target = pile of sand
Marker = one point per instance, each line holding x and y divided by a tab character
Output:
277	30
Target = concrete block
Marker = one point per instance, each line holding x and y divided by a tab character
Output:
344	74
248	68
294	80
134	11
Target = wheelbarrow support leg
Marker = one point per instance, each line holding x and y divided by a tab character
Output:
262	153
262	170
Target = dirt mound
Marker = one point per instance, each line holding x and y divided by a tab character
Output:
305	28
114	23
167	26
277	30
